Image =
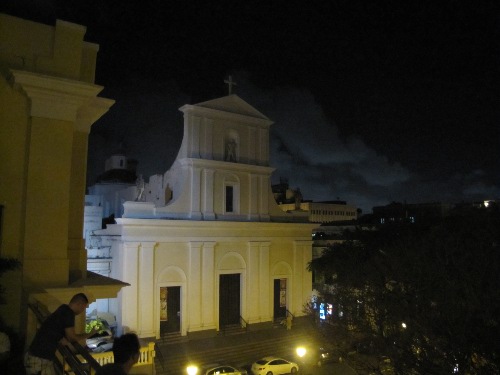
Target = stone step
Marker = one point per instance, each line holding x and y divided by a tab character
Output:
235	329
172	338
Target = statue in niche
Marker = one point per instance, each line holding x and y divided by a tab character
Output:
230	150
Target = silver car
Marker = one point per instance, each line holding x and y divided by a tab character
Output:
217	369
101	341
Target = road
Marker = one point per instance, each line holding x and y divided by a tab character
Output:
241	351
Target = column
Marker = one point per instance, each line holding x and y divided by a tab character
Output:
195	290
253	287
195	212
130	295
147	298
207	150
264	188
266	303
208	286
253	197
302	288
208	194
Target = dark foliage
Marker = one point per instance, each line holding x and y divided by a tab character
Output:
439	279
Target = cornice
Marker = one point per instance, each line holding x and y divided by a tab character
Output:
56	98
224	165
224	115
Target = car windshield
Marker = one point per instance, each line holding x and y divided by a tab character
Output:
261	362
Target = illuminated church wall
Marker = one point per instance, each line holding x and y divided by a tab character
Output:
194	242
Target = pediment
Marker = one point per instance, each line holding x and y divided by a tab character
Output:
232	104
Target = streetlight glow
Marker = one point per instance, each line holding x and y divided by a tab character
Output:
301	351
192	370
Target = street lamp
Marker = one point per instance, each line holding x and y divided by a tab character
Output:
301	351
192	370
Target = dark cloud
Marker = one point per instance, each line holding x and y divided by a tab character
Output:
305	147
371	102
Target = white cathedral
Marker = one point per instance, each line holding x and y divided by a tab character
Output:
205	246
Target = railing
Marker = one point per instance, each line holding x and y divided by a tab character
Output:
244	323
146	358
82	362
287	320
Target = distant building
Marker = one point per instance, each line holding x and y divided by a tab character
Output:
291	201
410	212
104	203
115	186
325	212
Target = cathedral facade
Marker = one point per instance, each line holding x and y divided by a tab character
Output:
205	246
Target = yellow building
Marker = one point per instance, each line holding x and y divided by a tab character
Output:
48	102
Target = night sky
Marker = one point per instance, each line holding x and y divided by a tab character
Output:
373	102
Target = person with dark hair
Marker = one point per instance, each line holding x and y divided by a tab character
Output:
126	353
59	327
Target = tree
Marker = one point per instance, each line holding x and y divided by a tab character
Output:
429	292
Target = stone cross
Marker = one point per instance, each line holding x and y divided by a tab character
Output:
230	83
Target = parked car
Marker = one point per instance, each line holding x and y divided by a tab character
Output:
219	368
102	341
317	356
274	366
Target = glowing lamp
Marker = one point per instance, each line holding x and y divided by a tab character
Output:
301	351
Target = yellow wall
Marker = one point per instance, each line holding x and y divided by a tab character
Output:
48	102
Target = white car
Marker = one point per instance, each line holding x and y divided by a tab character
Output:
274	366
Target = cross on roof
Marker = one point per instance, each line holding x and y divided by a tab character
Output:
230	83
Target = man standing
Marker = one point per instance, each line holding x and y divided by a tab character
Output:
59	327
126	353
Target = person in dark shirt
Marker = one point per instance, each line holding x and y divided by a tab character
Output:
126	353
59	327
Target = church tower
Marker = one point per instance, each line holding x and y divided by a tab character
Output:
221	171
205	246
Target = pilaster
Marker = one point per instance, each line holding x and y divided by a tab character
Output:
265	286
195	286
264	198
146	318
208	194
208	286
253	197
195	212
253	288
302	255
130	295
